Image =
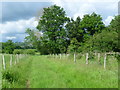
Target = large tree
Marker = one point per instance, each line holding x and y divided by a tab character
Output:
52	25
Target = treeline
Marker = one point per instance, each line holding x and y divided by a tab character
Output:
57	33
11	47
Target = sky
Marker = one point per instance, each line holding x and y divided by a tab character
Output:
18	16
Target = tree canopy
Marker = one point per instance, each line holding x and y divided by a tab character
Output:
52	25
61	34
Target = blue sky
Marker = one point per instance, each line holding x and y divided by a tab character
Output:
17	16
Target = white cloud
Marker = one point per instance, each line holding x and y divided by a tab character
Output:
84	1
10	38
73	8
18	26
76	8
10	30
108	20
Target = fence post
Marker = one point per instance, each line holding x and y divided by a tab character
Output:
99	57
64	55
3	62
53	55
56	55
105	56
11	60
67	55
86	58
60	55
15	58
74	57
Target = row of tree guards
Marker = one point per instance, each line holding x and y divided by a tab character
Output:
87	56
20	56
16	60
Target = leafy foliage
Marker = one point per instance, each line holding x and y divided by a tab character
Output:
92	23
8	47
73	45
17	51
52	25
102	42
56	33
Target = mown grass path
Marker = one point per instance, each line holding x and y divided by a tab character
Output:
52	73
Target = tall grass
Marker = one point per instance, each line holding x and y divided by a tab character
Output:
52	72
16	76
64	73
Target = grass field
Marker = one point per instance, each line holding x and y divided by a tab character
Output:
48	72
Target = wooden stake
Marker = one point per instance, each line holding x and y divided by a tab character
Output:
60	55
74	57
15	59
53	55
56	55
11	60
3	62
105	61
99	57
64	55
86	58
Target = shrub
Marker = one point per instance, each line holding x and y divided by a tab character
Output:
17	51
30	51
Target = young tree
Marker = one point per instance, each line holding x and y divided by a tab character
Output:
33	38
73	47
8	47
102	42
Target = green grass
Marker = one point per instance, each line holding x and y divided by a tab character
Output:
48	72
16	76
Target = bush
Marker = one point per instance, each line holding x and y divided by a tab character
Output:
18	51
25	51
30	51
